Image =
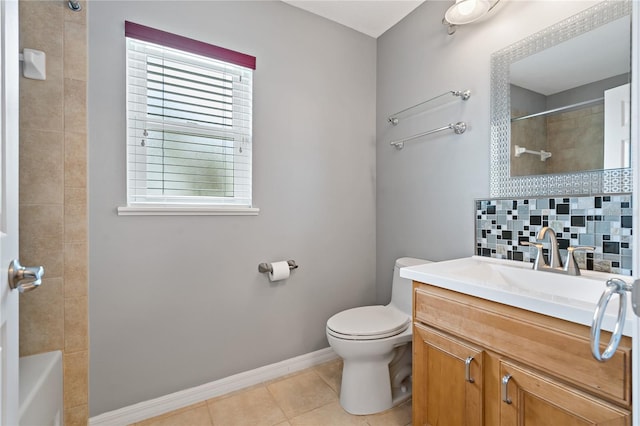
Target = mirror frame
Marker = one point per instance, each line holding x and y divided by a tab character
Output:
578	183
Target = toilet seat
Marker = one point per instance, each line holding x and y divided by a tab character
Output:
368	323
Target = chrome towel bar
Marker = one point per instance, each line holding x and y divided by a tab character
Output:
458	128
429	103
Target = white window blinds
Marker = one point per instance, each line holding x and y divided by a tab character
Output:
189	128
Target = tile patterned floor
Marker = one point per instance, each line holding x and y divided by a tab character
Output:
309	397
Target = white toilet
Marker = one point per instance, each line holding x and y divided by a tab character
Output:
374	343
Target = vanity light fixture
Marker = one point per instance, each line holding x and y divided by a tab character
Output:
465	12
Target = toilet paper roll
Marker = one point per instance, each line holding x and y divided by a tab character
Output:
280	271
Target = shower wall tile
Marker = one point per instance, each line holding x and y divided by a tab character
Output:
75	160
46	252
76	416
40	222
41	177
75	223
41	102
601	221
75	60
76	366
76	323
53	194
41	318
77	17
75	195
75	105
75	269
41	26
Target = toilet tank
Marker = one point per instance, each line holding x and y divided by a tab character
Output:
401	288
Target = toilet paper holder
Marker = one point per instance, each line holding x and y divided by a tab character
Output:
266	267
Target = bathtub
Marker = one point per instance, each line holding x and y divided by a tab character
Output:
41	389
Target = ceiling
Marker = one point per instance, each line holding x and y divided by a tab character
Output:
371	17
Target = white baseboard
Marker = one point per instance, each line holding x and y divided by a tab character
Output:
174	401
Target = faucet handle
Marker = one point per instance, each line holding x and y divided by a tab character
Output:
572	266
540	260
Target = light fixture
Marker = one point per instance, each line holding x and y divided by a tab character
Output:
465	12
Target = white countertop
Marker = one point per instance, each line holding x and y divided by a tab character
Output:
514	283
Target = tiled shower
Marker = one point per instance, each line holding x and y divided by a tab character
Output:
53	195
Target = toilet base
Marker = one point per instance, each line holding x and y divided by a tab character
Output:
377	384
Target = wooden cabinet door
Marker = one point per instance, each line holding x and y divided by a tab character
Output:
447	380
536	400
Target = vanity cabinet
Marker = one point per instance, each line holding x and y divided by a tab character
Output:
454	368
472	355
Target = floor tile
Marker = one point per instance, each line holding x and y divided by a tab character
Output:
309	397
331	372
255	407
301	393
195	415
331	414
397	416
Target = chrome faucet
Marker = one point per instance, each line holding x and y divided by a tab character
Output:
555	261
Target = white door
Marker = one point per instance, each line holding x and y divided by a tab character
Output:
9	67
617	119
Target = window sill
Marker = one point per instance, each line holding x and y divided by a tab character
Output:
186	211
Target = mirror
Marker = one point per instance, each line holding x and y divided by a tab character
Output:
560	107
570	104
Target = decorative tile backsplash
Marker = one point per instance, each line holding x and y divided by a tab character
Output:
602	221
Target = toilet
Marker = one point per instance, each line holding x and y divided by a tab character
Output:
374	343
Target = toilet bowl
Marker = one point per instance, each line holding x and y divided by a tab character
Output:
374	343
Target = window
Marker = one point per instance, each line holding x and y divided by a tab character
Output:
189	108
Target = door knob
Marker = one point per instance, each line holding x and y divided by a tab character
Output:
24	278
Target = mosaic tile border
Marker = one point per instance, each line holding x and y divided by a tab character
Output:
603	221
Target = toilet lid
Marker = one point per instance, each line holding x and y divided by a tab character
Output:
368	322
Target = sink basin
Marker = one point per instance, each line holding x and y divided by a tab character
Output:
572	298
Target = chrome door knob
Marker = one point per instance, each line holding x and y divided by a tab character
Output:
24	278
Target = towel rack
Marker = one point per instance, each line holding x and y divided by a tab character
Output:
458	128
462	94
519	150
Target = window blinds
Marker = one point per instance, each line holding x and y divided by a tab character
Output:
189	128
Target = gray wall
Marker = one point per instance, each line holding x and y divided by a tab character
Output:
526	101
177	301
425	192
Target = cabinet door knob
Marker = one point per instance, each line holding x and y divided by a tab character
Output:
467	369
505	389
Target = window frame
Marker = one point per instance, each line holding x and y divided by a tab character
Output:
196	205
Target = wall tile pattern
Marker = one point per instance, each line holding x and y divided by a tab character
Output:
53	195
601	221
581	132
531	134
